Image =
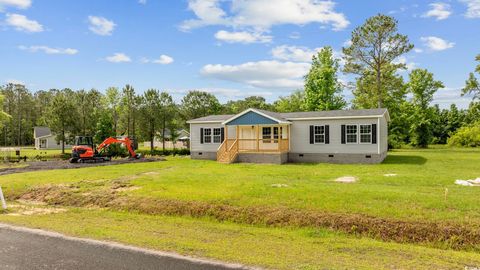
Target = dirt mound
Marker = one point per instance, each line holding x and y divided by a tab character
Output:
443	235
64	164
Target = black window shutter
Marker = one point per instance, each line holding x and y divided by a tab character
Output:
327	134
343	134
222	134
374	133
311	134
201	135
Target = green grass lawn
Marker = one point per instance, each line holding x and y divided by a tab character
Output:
415	194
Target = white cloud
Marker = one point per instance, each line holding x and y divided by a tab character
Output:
448	95
229	93
22	23
13	81
347	43
163	60
410	65
440	11
261	15
208	12
101	26
262	74
436	43
473	8
22	4
118	58
298	53
295	35
294	53
48	50
417	50
143	2
242	37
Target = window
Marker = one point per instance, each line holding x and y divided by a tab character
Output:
267	134
207	135
319	134
275	134
352	133
365	133
217	135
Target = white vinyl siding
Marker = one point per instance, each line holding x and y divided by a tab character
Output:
300	137
195	144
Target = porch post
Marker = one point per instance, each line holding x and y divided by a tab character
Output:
258	139
226	137
237	131
288	137
280	133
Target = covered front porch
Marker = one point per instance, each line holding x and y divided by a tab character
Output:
254	133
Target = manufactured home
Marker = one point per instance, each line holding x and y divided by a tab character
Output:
45	139
259	136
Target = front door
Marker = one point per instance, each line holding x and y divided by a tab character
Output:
247	138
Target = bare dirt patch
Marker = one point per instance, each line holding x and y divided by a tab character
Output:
439	234
64	164
32	208
346	179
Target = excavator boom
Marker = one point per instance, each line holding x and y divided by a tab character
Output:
126	141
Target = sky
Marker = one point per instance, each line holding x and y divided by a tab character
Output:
231	48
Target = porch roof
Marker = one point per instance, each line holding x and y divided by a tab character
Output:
256	117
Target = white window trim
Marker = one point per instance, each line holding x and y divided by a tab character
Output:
324	135
346	134
219	136
204	136
360	134
211	135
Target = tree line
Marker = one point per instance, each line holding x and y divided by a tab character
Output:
371	59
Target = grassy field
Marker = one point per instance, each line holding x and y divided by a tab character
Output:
207	209
34	154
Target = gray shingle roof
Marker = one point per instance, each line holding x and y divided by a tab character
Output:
41	131
335	113
296	115
217	118
275	115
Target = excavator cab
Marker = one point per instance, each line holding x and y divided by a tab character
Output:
84	140
83	149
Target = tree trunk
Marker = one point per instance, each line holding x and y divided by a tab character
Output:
163	134
115	123
379	87
152	136
63	140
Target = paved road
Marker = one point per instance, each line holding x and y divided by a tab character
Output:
22	248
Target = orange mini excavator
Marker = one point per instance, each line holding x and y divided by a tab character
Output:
84	150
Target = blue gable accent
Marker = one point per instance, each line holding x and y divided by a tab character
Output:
251	118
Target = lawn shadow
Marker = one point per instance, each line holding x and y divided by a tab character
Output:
415	160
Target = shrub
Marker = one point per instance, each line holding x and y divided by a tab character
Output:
115	150
167	152
468	136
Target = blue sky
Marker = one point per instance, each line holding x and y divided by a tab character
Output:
232	48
